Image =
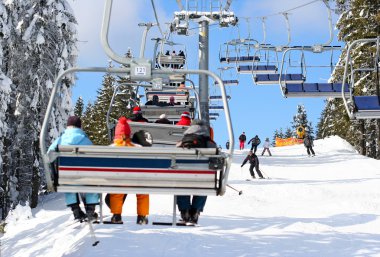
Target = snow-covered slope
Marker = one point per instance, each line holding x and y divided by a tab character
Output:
323	206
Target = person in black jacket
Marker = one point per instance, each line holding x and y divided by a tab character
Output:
228	144
242	139
255	142
254	161
308	143
163	120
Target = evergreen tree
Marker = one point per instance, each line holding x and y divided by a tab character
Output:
289	133
87	121
79	107
360	19
300	119
40	40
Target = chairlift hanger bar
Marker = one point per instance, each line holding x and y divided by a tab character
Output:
180	6
227	6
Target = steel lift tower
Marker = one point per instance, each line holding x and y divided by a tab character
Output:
196	12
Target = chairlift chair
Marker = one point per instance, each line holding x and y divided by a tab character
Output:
233	81
362	106
308	89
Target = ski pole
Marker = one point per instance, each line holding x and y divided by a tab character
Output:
264	174
89	222
240	192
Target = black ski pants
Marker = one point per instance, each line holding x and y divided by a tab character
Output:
257	170
254	147
310	149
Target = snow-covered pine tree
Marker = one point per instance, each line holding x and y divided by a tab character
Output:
360	19
79	107
289	133
87	121
5	88
300	119
41	45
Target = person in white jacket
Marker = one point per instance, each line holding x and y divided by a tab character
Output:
266	147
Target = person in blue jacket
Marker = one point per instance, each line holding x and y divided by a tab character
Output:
74	135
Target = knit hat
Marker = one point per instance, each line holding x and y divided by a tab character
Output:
136	110
122	130
185	114
74	121
171	99
163	116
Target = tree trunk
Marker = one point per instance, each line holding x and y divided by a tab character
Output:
362	143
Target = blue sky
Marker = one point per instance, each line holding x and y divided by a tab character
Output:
257	110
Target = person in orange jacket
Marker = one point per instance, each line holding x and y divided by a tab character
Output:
123	138
185	119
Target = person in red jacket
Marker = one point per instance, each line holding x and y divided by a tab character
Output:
185	119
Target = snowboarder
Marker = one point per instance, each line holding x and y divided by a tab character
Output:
197	135
308	143
74	135
266	147
116	201
255	142
254	161
242	139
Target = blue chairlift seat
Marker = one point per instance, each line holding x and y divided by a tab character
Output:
218	97
367	107
214	114
257	69
270	79
239	59
216	107
314	90
229	82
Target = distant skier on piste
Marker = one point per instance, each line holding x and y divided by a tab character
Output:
308	143
254	161
255	142
242	139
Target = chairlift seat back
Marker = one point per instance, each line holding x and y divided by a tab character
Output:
107	169
170	59
173	113
180	96
162	134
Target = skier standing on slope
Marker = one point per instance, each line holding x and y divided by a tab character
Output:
255	142
254	161
242	139
308	143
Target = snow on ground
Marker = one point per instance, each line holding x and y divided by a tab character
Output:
325	206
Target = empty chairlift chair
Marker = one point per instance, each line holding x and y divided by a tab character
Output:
363	106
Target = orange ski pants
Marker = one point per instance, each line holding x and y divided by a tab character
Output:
117	200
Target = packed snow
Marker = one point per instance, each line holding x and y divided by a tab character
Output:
322	206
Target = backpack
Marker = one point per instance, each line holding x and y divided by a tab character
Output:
143	138
194	140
